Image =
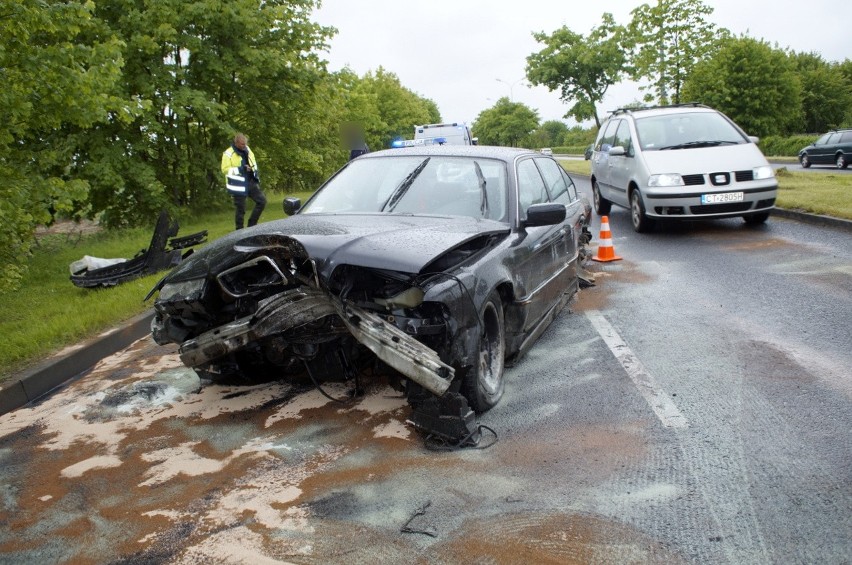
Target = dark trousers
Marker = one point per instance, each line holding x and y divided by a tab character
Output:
259	199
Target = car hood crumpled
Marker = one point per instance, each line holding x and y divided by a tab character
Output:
703	160
380	241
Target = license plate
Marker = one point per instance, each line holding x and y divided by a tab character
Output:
720	198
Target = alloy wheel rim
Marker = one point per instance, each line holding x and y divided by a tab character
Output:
636	210
489	350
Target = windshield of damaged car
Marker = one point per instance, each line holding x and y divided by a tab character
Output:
686	131
435	185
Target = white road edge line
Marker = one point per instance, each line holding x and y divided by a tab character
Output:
656	397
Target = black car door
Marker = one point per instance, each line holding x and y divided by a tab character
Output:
539	255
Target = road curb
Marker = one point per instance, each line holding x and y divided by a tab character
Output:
37	381
815	219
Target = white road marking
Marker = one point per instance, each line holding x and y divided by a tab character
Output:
656	397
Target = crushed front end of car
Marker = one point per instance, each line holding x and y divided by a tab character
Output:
261	308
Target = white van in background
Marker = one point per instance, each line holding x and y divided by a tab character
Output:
444	134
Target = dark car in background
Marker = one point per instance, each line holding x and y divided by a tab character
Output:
834	148
443	262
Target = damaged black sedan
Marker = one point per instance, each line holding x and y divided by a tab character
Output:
446	263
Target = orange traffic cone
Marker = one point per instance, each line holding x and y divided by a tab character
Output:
606	252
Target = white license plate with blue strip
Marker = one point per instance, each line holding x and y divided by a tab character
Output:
722	198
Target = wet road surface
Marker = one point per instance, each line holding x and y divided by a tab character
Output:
694	406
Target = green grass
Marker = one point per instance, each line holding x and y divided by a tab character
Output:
826	193
577	166
829	194
49	313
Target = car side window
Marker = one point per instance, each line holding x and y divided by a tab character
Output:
623	138
822	140
846	137
596	146
531	188
609	135
835	138
572	188
556	184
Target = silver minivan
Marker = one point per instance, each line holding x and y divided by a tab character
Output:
686	161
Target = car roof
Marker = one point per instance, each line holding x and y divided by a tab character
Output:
485	151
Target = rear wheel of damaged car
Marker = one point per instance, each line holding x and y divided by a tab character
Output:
641	222
483	385
602	205
841	161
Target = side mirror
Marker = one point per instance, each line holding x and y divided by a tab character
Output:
617	150
292	205
475	141
754	139
546	214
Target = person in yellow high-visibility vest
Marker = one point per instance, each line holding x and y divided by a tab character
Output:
242	180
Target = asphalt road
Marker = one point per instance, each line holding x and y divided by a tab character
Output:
694	406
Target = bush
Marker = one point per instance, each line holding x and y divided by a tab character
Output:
785	146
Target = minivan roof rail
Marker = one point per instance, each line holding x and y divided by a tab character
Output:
628	110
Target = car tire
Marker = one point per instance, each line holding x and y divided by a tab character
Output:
841	161
805	161
602	205
641	222
756	219
483	385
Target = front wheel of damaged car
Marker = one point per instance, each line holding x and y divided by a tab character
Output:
484	384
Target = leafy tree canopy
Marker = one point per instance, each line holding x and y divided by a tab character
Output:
752	83
667	40
581	68
826	92
399	109
506	123
55	76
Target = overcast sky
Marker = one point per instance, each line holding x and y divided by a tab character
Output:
453	51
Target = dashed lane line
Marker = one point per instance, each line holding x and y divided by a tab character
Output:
656	397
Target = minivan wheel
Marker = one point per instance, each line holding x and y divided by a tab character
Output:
841	162
602	205
803	159
641	222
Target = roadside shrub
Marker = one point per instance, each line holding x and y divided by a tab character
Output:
785	146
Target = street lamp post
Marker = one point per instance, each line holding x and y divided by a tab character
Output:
511	86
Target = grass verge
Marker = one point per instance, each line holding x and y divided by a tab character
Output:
49	313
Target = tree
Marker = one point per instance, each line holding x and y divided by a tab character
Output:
581	68
200	77
505	123
826	92
399	108
667	40
56	78
752	83
553	132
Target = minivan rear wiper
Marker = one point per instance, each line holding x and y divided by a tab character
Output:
694	144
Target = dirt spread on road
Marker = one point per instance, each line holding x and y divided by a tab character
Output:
141	461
